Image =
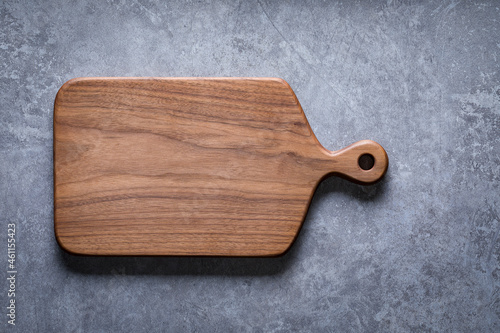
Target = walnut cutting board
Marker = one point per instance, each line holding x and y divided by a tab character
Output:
189	166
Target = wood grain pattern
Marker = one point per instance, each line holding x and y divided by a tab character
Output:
188	166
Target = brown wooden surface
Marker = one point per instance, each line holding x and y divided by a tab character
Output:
174	166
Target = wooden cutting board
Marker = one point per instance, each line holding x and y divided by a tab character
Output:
189	166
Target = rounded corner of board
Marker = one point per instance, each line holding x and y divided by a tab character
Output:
65	86
65	247
282	251
71	82
281	81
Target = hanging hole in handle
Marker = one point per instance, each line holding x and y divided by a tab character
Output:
366	161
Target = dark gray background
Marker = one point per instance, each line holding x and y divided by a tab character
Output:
417	252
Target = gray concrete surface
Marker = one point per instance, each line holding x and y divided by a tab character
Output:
419	252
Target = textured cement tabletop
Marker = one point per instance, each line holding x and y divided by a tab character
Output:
418	252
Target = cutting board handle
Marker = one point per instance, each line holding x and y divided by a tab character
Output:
364	162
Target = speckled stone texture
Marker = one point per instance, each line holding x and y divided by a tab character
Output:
418	252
